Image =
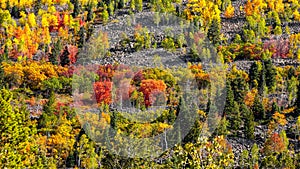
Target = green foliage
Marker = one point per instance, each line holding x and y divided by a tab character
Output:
214	32
254	74
270	75
55	52
76	10
258	108
168	43
248	121
81	34
18	146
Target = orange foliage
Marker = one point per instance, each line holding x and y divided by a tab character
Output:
103	92
150	88
250	96
229	12
274	144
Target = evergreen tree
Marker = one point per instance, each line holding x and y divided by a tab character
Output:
76	10
262	80
64	58
297	104
229	104
222	128
248	121
90	14
235	119
239	87
214	32
254	74
55	52
121	4
270	74
2	80
81	34
48	117
275	108
258	108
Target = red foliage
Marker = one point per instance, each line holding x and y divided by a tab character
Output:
151	88
279	48
73	50
103	92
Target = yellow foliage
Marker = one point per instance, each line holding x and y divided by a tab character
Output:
203	10
250	96
296	15
31	72
229	12
279	118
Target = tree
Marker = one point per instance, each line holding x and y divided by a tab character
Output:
18	147
229	12
139	5
229	104
81	34
248	121
90	14
48	118
214	32
254	74
105	15
235	119
258	108
76	10
55	52
151	89
297	103
64	57
270	74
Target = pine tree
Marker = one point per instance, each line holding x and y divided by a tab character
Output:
275	108
235	119
90	14
214	32
297	103
254	74
270	74
76	10
248	121
229	104
258	108
81	34
262	80
2	80
48	117
64	58
55	52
